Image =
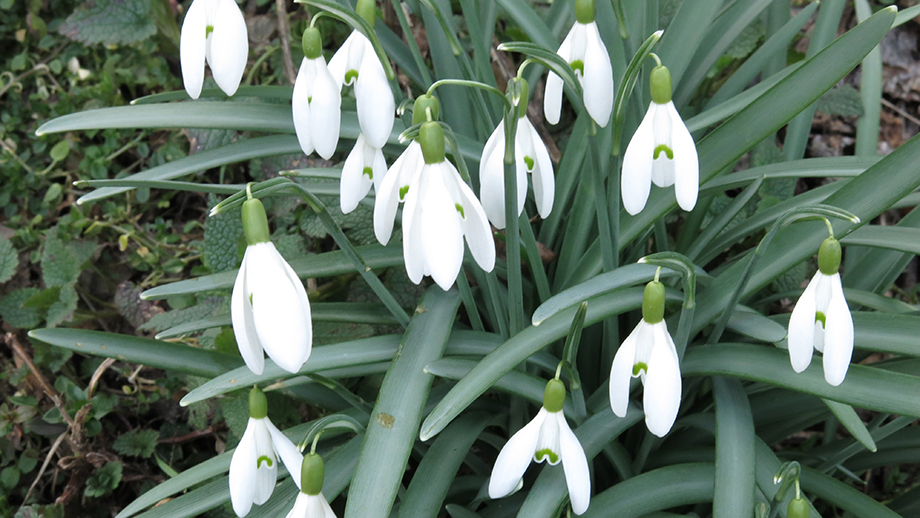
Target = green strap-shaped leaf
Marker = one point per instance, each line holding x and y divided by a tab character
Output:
395	418
663	488
262	92
903	239
734	473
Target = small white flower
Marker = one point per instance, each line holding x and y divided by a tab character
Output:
530	156
269	310
584	50
213	31
546	437
357	62
254	466
393	189
317	105
661	151
365	166
821	320
311	506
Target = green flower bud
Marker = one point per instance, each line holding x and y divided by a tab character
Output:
367	10
660	82
798	508
312	43
554	395
431	138
584	11
255	222
312	473
258	405
525	98
829	256
653	302
420	109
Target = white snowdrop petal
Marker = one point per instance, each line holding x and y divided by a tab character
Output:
492	177
548	442
266	462
686	162
242	476
413	244
286	450
229	47
552	98
327	510
514	458
621	373
355	184
661	400
376	106
544	180
575	465
386	200
300	506
598	81
192	48
379	168
300	106
326	111
801	336
475	224
244	328
441	233
838	338
342	60
636	178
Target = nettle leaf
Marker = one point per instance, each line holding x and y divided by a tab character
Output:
105	480
844	101
9	260
62	309
13	312
137	443
59	264
111	22
747	41
163	321
222	234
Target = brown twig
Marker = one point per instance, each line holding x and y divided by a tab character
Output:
285	36
54	447
55	397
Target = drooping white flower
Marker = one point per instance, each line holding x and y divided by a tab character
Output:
356	62
584	50
254	465
661	151
213	31
317	100
365	166
311	506
393	189
269	308
649	353
440	210
530	156
821	319
310	502
546	437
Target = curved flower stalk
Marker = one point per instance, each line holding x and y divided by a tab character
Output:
317	100
821	319
661	151
310	502
546	437
254	465
213	31
530	156
356	62
584	50
269	308
649	353
365	166
440	210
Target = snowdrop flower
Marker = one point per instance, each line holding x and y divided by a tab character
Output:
317	100
365	166
530	156
584	50
821	319
310	502
269	308
661	151
440	210
213	31
254	465
649	353
357	62
546	437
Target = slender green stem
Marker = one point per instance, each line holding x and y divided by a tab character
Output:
533	259
655	57
471	84
603	215
513	249
498	309
466	294
315	442
413	46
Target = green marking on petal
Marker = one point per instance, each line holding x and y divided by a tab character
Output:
350	76
263	458
821	317
309	99
369	172
639	367
578	65
460	210
250	299
666	149
539	455
529	161
402	192
208	30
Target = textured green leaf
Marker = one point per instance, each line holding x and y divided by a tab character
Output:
9	260
59	265
62	309
222	234
104	480
112	22
842	100
137	443
13	312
